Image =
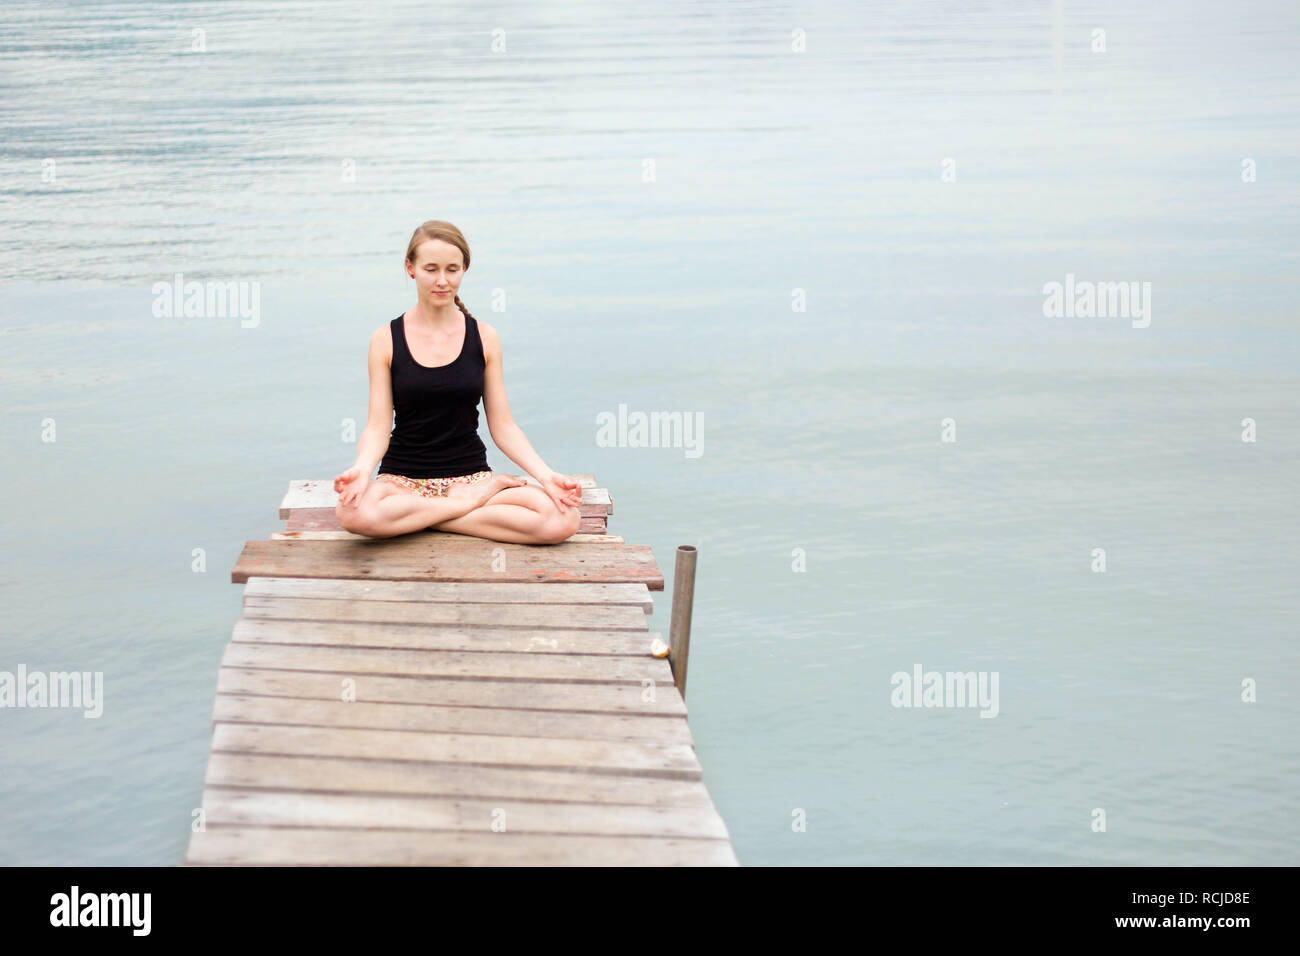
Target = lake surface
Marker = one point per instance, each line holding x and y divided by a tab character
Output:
826	231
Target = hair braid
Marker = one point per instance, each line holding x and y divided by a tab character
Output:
462	307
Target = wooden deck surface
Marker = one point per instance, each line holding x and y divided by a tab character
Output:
437	699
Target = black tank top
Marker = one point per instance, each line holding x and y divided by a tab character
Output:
435	431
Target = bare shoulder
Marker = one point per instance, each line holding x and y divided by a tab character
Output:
381	342
491	341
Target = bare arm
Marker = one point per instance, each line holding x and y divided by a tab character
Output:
508	436
352	483
379	419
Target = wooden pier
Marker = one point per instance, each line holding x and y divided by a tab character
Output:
441	699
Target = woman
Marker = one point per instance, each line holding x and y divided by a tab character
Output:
432	364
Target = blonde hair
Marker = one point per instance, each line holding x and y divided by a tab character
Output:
437	229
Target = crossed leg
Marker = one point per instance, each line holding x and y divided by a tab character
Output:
522	515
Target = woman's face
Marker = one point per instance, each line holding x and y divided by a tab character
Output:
438	271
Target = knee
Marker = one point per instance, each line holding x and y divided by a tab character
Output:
561	528
358	519
347	517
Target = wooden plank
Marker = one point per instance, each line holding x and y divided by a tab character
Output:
579	538
438	556
367	775
308	846
316	494
509	640
451	592
631	757
533	617
358	661
502	721
225	807
309	493
529	695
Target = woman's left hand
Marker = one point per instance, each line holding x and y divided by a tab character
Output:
563	489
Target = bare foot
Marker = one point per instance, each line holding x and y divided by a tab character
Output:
481	491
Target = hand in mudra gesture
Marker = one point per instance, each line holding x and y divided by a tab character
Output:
350	485
564	490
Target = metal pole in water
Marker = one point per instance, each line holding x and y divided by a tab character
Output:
679	623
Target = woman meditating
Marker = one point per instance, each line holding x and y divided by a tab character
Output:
432	364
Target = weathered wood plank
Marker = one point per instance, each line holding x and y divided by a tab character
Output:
225	807
451	592
534	617
632	757
367	775
607	698
288	846
509	640
501	721
309	493
438	556
356	661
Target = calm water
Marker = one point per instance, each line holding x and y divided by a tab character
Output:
643	189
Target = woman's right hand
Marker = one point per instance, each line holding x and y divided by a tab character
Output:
350	486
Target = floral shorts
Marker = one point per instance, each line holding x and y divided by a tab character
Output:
431	487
